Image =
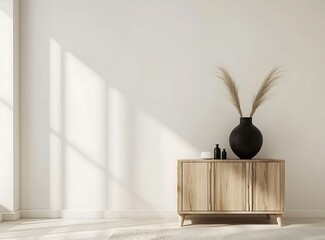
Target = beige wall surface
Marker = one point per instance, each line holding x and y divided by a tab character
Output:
113	92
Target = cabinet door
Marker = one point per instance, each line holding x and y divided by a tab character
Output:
230	185
196	187
268	187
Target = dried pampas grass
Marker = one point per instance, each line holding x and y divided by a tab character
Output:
232	89
260	96
264	89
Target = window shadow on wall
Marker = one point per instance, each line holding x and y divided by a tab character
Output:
104	153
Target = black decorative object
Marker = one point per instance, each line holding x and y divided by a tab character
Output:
224	154
246	140
217	152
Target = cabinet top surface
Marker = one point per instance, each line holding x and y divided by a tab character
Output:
230	160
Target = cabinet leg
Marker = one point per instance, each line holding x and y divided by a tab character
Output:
181	219
279	220
268	216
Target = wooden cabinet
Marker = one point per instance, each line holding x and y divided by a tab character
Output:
196	187
229	191
267	187
230	187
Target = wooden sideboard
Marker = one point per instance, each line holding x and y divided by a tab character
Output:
231	186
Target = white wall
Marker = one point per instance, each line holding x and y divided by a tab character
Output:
113	92
9	106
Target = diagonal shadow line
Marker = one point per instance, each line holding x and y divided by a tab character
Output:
6	104
101	168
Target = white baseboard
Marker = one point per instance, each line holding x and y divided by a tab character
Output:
304	214
131	214
97	214
11	216
40	214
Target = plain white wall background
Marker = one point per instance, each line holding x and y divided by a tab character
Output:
113	92
9	109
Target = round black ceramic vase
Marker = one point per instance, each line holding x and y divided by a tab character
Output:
246	140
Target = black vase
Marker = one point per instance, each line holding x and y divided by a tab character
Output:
246	140
217	152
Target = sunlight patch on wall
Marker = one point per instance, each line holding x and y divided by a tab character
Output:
120	158
84	104
55	167
106	153
84	181
55	87
84	123
55	122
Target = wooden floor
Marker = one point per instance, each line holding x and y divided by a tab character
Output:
30	229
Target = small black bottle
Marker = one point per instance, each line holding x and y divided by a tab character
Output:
217	152
224	154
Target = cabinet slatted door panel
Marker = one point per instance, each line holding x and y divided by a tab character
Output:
230	187
196	187
267	188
